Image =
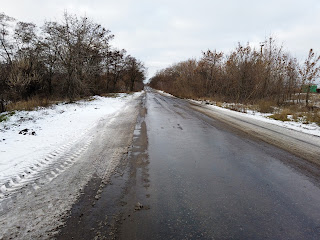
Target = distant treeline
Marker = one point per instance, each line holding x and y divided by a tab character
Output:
68	59
244	75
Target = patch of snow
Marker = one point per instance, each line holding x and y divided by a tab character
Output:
312	128
44	130
166	94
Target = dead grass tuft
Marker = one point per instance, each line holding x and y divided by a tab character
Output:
219	104
110	95
237	107
266	106
280	116
29	105
313	117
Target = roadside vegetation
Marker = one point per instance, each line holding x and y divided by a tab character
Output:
61	61
268	79
288	112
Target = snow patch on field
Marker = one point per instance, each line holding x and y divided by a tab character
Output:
27	137
312	128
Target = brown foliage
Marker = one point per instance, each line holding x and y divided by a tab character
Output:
67	59
245	75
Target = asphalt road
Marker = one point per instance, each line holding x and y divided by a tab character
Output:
189	176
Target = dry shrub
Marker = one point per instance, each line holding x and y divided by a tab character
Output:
280	116
287	111
294	108
219	104
29	105
266	106
301	113
313	117
5	116
298	115
283	115
237	107
297	108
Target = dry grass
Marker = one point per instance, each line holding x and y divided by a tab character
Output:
110	95
219	104
266	106
313	117
29	105
237	107
35	102
282	116
290	112
298	113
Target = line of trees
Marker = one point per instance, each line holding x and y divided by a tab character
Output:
244	75
68	59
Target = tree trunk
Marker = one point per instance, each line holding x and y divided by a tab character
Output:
2	106
307	96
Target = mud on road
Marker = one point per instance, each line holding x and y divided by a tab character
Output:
108	204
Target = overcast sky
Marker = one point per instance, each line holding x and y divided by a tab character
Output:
163	32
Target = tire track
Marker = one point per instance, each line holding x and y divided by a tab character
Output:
45	170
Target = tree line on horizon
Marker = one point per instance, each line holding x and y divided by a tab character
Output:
62	60
245	75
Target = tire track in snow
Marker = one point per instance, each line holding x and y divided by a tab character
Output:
42	172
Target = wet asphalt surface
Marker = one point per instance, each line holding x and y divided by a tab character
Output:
189	176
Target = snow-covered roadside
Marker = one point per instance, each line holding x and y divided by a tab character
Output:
312	129
47	129
165	93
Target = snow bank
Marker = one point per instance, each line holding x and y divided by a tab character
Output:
312	128
46	129
165	93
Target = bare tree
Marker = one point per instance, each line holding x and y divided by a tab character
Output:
135	71
310	71
71	58
79	46
26	76
5	58
117	67
210	66
6	44
244	75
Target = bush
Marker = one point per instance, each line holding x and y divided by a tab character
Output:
282	116
265	106
313	117
5	116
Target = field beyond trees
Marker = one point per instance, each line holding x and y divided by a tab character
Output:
61	61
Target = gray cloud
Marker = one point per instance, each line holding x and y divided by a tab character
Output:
163	32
